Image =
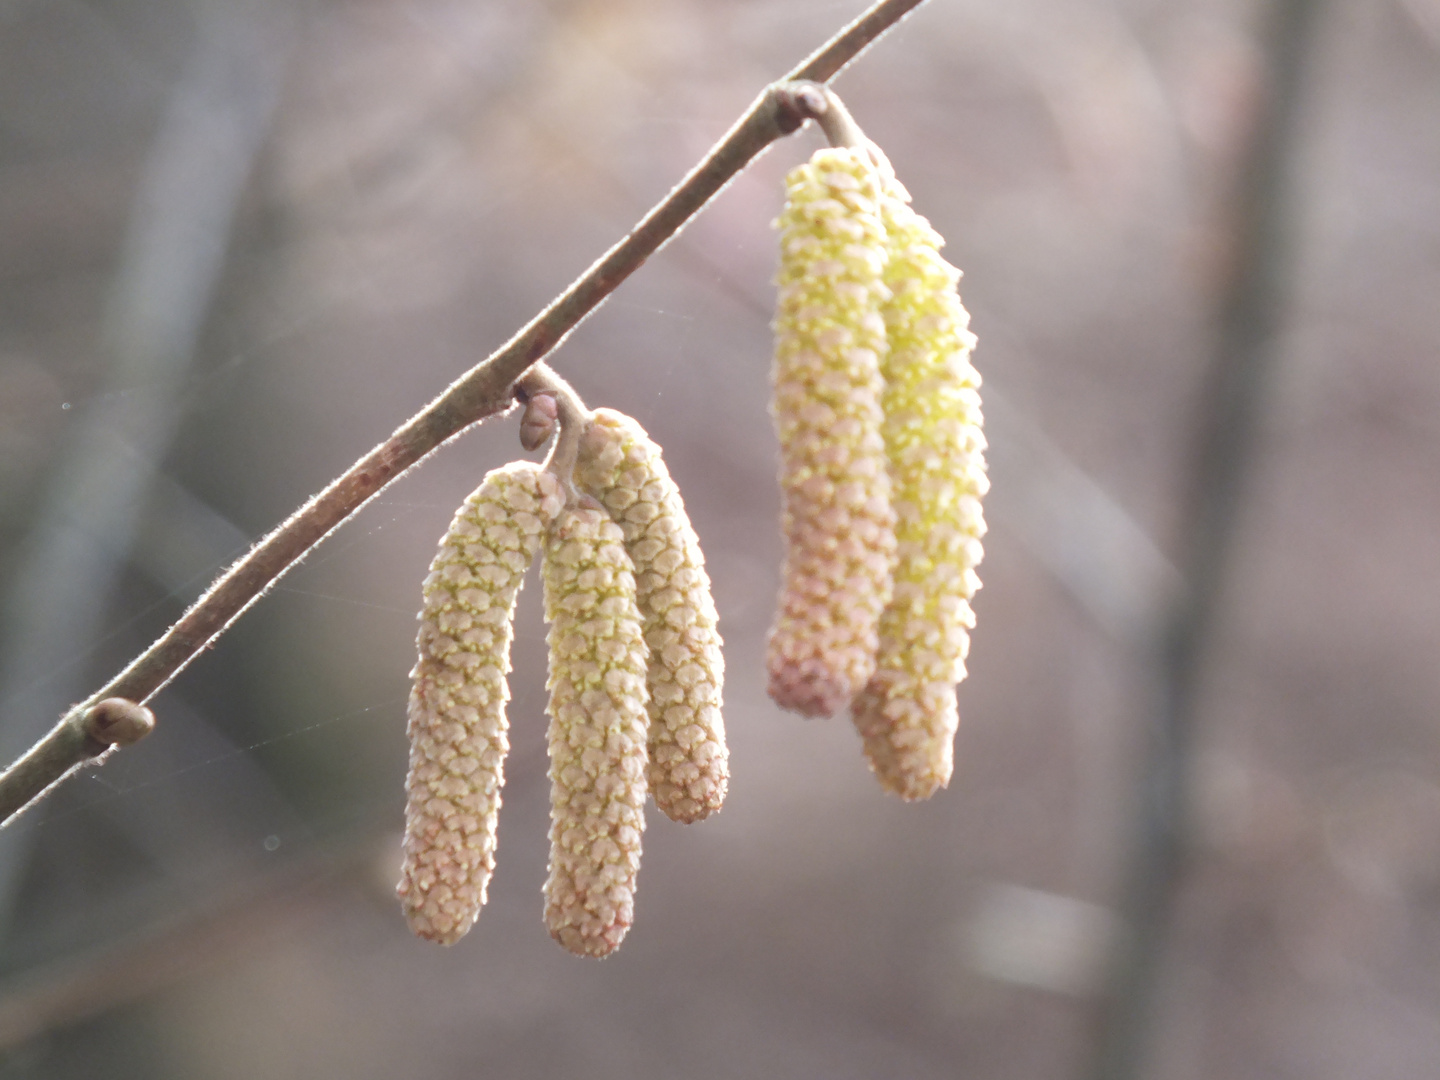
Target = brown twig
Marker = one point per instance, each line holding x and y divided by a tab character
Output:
483	391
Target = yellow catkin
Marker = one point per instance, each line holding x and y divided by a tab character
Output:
457	724
597	732
829	344
689	765
907	713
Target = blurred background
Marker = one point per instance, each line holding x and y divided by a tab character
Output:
241	240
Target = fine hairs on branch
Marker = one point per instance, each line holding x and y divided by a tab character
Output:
485	390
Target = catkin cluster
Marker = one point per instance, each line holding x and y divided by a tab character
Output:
926	401
635	682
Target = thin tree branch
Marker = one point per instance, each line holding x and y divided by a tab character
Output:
831	58
483	391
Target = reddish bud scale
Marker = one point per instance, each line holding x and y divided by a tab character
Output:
457	724
837	522
597	732
907	713
689	765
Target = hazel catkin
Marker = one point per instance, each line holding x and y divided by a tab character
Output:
829	344
457	725
689	766
907	712
597	731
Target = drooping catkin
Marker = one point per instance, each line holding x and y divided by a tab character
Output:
597	732
837	522
907	713
457	725
689	765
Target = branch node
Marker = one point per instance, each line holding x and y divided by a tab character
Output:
816	101
796	102
117	722
541	383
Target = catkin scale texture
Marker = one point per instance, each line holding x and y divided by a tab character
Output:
457	725
907	713
689	765
597	732
829	344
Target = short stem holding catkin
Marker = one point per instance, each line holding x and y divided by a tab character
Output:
572	419
816	101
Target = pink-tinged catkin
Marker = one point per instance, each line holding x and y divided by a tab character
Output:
457	724
689	765
907	713
829	344
597	732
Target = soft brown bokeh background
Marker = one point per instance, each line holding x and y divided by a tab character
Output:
409	182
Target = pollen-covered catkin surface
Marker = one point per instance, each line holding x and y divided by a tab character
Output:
597	732
907	713
457	724
689	766
829	344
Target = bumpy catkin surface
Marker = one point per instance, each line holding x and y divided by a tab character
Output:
689	765
597	732
907	713
457	724
829	344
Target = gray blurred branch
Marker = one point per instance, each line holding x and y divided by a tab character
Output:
250	908
486	389
1094	548
1249	316
174	251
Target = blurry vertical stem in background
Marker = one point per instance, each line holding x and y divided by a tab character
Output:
1252	298
484	390
174	252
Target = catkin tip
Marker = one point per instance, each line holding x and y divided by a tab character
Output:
809	689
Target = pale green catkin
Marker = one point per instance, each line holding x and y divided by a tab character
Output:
689	765
829	344
907	713
457	724
597	732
